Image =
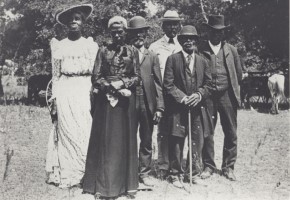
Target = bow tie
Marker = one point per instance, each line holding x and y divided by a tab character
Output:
171	41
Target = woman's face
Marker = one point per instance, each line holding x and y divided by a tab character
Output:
117	33
75	22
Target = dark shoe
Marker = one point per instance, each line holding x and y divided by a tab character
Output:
147	181
108	198
207	172
195	175
162	174
176	181
229	174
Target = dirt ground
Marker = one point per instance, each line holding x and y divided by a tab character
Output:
262	168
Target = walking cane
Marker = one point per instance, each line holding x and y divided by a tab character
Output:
190	149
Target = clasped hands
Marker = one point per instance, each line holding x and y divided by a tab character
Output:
191	100
116	86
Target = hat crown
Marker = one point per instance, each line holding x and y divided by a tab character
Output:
137	22
171	15
216	21
188	30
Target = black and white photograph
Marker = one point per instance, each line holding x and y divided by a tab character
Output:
144	99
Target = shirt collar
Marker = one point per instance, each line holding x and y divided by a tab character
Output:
174	39
186	54
214	46
142	49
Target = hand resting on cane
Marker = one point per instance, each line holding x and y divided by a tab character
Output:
191	100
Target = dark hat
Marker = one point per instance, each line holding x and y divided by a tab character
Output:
188	31
137	22
216	22
171	15
86	9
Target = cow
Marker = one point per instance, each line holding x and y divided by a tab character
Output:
37	83
276	84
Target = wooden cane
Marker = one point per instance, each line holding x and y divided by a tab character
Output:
190	149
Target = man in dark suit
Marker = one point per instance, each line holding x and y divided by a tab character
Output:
226	69
187	79
149	96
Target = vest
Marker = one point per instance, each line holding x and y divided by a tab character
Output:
190	80
140	89
220	77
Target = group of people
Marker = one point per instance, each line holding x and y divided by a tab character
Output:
101	95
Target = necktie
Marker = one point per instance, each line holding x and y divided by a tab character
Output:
171	41
188	62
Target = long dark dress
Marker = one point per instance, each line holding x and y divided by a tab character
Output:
112	162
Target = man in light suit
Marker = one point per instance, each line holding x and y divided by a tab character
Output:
149	96
226	70
187	80
164	47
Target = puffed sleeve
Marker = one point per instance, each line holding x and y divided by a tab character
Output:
93	48
56	64
98	79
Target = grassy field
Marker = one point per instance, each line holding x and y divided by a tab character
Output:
262	168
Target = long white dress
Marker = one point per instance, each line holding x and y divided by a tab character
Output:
72	63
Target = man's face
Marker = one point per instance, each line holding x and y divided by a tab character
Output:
118	33
137	37
216	36
171	28
75	22
188	43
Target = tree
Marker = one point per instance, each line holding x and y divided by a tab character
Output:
259	28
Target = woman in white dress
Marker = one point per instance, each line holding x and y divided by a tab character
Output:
72	64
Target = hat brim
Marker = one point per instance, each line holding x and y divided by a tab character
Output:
171	19
137	28
218	27
86	9
189	35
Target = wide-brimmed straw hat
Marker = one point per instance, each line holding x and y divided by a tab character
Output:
137	22
171	15
216	22
62	15
187	30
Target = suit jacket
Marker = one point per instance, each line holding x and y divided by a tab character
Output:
175	89
152	82
163	49
233	65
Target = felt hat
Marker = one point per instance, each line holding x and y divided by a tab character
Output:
216	22
137	22
187	30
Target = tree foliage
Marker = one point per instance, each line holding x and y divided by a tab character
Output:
259	28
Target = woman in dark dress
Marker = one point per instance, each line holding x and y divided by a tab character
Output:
112	162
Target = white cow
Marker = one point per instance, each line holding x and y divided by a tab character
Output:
276	87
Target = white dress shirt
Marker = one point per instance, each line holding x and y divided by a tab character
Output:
141	53
191	63
163	49
215	48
